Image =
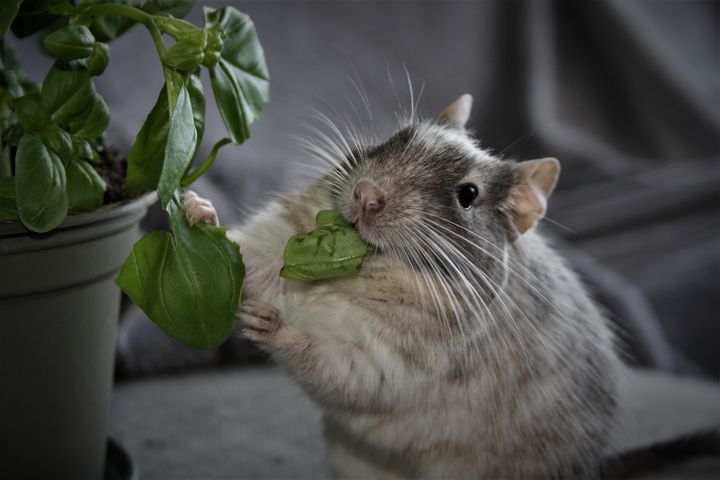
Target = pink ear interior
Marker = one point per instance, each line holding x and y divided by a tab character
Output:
458	112
537	180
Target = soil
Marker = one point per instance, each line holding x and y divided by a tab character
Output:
113	168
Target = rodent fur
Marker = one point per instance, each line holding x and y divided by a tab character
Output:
418	375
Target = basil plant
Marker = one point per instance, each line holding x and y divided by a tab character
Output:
188	280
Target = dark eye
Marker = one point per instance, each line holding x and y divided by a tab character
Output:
466	194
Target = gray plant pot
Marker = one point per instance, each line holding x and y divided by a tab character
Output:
58	322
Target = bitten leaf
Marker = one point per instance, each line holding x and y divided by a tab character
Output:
334	249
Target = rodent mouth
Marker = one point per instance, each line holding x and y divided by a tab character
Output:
366	232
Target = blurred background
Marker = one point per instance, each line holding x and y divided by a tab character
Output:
625	93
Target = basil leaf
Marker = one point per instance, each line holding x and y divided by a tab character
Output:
146	156
188	282
96	120
40	185
240	78
326	218
197	100
67	93
186	54
82	149
180	147
332	250
58	141
214	45
98	61
70	43
8	202
8	11
30	113
85	187
10	75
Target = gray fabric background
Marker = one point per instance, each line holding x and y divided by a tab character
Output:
625	93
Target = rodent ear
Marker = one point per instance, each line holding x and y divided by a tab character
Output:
536	180
458	112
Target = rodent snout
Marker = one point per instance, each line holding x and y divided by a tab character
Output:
369	199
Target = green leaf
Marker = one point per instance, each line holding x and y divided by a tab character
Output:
180	148
96	121
213	49
332	250
329	218
28	86
70	43
30	113
8	202
85	188
145	159
8	11
98	61
10	75
67	93
197	100
82	149
176	28
187	53
188	282
174	81
240	78
40	185
9	59
58	141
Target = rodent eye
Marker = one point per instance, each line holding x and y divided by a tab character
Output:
466	193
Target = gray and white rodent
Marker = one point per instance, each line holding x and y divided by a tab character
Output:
466	348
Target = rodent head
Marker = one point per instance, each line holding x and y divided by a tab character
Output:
430	183
432	196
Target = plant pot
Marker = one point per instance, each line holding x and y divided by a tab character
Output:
59	310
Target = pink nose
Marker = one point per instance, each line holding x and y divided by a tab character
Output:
368	197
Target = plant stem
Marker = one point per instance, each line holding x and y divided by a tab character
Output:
191	177
133	13
102	9
171	83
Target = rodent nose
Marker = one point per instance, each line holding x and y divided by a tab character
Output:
370	199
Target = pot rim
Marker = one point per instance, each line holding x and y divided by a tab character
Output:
105	212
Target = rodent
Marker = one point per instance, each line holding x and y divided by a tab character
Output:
466	348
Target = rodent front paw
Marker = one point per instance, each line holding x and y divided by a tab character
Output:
260	321
198	209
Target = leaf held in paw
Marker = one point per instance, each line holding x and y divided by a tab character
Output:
188	282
